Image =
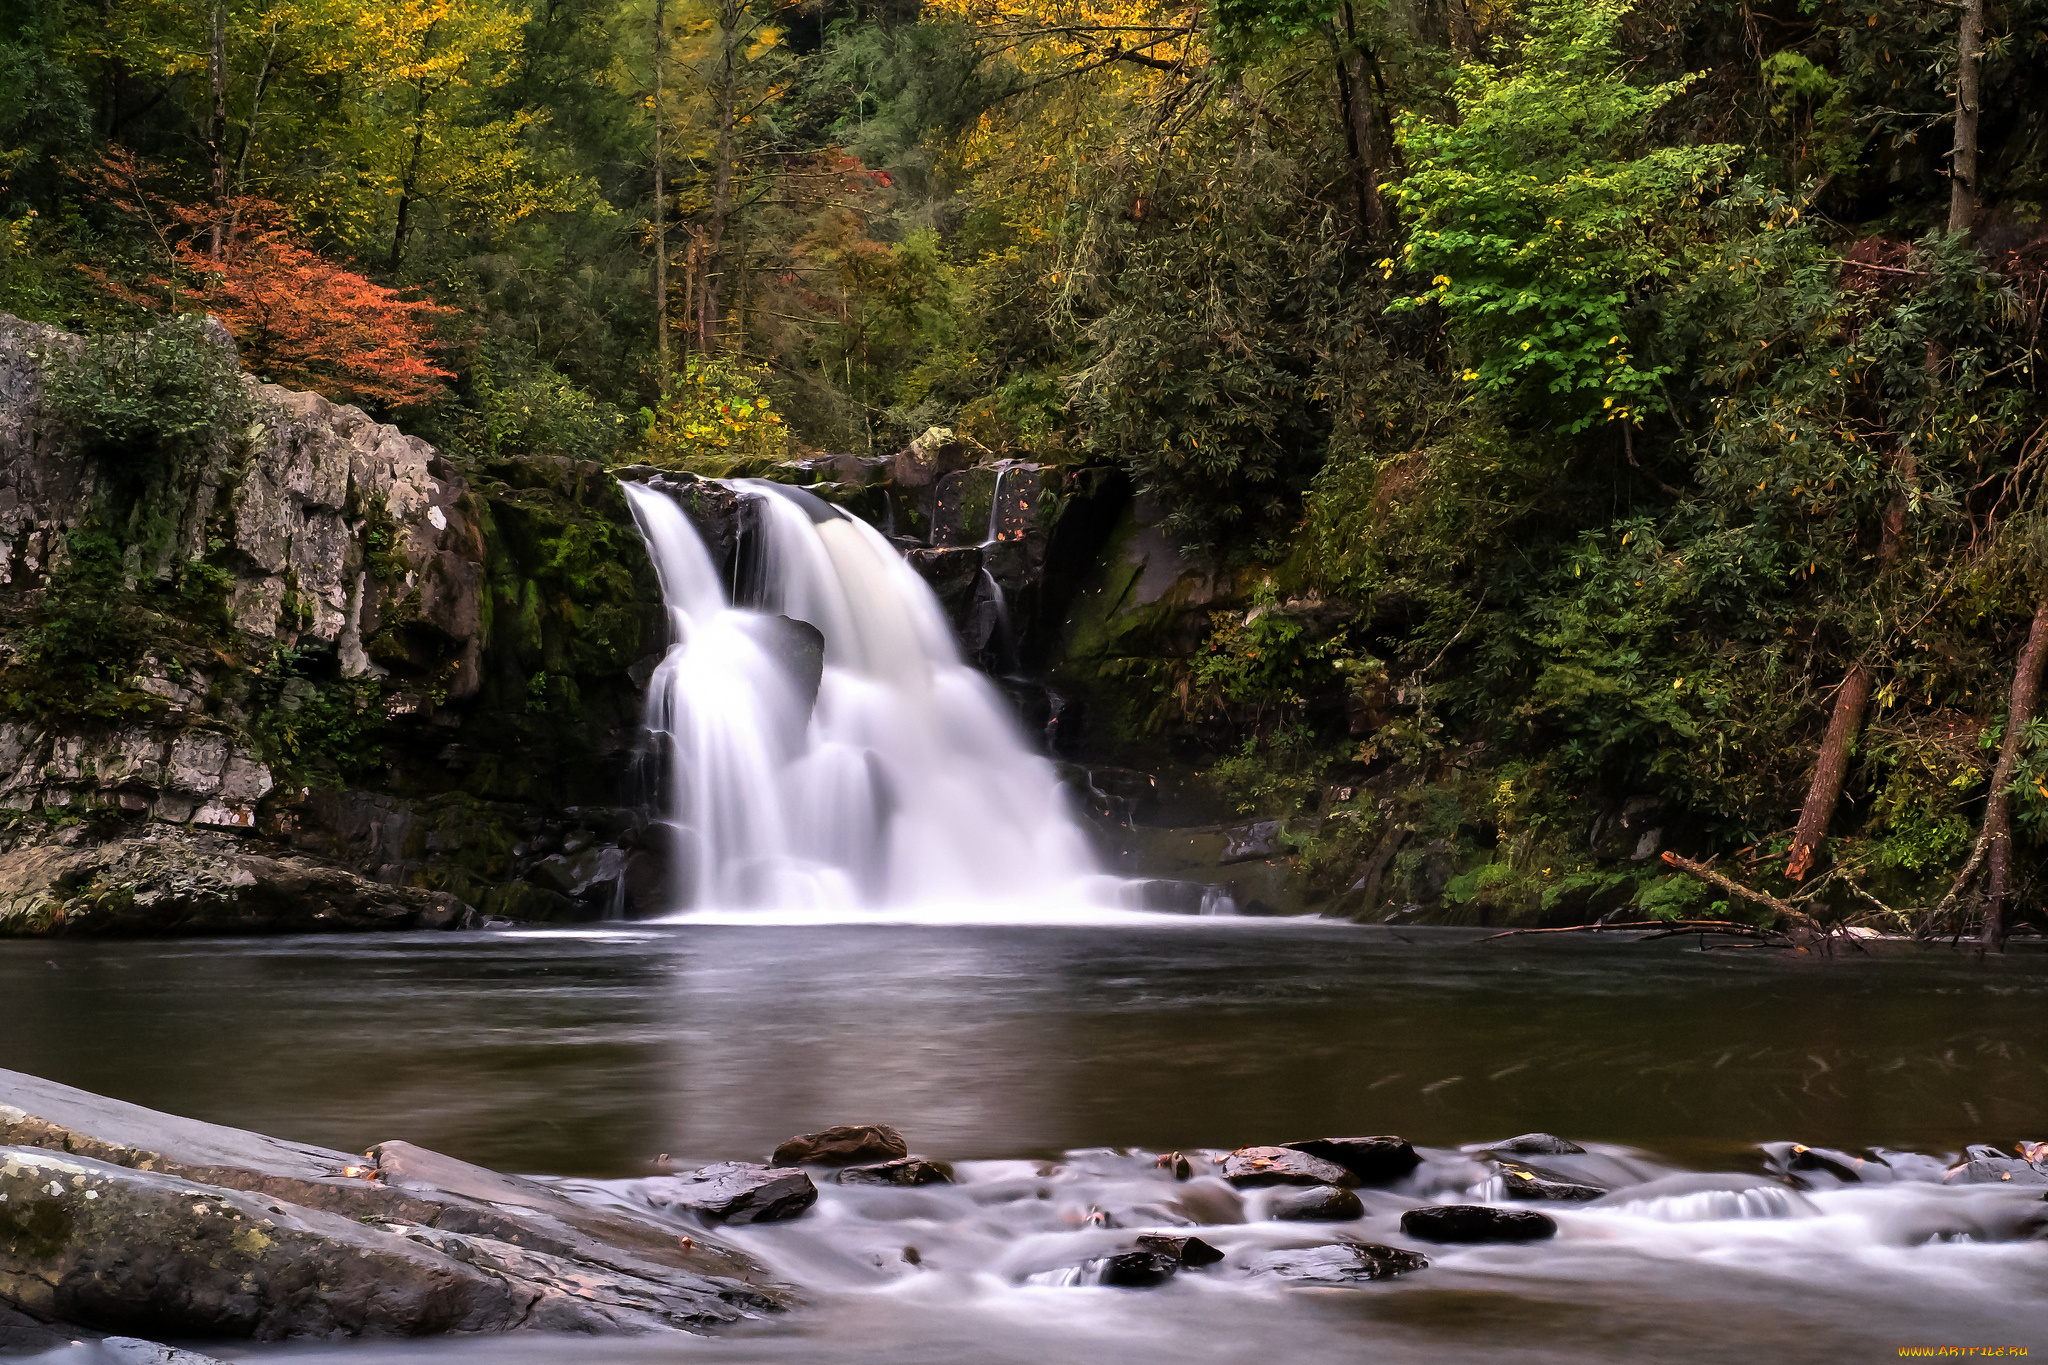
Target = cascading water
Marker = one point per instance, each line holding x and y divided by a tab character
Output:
906	781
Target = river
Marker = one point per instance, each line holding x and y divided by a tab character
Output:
1051	1062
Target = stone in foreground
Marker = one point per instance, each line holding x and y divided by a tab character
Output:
1338	1263
905	1170
1475	1223
117	1218
847	1144
1251	1167
736	1192
1374	1160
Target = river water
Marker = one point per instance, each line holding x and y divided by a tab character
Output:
1051	1062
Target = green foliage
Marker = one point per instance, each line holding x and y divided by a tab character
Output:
312	728
1274	775
72	660
146	405
1541	216
717	418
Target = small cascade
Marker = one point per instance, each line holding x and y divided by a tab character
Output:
901	779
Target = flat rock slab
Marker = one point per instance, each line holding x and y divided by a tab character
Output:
1337	1263
1374	1160
1251	1167
122	1219
848	1144
1476	1223
736	1192
907	1170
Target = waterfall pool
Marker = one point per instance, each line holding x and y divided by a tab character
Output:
1052	1062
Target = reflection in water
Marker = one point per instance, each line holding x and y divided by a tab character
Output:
584	1053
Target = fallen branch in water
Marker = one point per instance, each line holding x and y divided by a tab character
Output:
1680	926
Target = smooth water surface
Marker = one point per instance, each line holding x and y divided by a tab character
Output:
587	1053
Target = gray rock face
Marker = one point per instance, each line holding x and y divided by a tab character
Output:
737	1192
1251	1167
847	1144
1246	842
122	1219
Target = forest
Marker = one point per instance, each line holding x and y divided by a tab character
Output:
1590	405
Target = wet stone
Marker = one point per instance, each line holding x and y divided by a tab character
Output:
1374	1160
736	1192
1314	1204
1523	1182
1338	1263
847	1144
1138	1269
1252	1167
1997	1170
908	1170
1190	1252
1538	1144
1474	1223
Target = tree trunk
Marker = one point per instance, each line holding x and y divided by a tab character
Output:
730	13
1829	770
1997	837
1963	187
1367	128
660	202
249	128
217	123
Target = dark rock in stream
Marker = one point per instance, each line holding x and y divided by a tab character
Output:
1338	1263
1374	1160
846	1144
1537	1144
1137	1269
736	1192
907	1170
1251	1167
119	1218
1472	1223
1524	1182
1315	1204
1997	1170
1191	1252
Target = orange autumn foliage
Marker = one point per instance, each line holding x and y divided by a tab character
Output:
299	318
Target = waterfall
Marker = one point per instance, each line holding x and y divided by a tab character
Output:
906	781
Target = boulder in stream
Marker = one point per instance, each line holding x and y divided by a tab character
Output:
1526	1182
1251	1167
1470	1223
1139	1269
1191	1252
1337	1263
1314	1204
846	1144
904	1170
736	1192
1374	1160
1537	1144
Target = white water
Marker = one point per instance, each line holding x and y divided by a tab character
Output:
907	790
